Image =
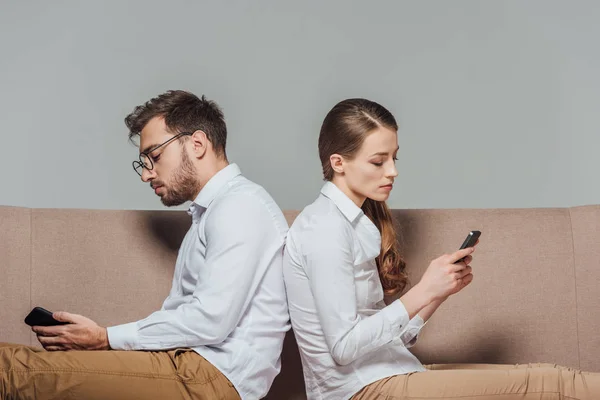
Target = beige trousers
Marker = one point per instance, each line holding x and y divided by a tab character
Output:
487	381
33	373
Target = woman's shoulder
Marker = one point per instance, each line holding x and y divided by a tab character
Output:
319	219
320	225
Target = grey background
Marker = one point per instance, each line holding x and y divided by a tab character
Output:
497	100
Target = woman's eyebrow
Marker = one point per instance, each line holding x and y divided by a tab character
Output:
383	153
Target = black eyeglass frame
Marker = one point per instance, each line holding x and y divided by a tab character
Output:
141	164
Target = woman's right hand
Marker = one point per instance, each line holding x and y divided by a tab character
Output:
445	277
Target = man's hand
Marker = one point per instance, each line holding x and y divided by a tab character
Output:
80	333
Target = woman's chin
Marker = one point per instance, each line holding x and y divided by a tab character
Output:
379	196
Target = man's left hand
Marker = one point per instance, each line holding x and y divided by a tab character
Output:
80	333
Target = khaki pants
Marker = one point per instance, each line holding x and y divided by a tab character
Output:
33	373
487	381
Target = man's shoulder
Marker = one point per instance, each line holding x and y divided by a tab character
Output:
243	190
242	195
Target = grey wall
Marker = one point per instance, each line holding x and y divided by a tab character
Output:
497	100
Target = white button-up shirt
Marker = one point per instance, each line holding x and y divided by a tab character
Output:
227	300
348	337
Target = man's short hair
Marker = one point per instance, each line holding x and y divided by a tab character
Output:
183	112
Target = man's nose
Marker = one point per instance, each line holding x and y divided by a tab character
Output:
148	175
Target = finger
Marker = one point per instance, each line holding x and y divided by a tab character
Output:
465	262
48	330
45	334
50	341
54	348
456	267
467	279
467	271
454	257
458	275
64	316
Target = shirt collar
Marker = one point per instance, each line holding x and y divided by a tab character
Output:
350	210
214	185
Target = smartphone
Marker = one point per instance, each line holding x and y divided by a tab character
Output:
41	317
470	241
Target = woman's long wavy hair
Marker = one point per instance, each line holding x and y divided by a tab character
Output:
343	132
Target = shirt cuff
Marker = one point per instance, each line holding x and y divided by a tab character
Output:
410	335
397	315
417	322
123	337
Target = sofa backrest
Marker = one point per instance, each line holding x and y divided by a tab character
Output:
15	273
534	297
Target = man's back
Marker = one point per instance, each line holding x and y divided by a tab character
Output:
254	346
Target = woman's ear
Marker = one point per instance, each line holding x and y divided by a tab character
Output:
200	143
337	163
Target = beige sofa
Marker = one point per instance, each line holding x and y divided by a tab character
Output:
535	297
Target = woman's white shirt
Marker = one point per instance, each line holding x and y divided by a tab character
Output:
347	336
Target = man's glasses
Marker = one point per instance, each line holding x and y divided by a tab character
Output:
145	161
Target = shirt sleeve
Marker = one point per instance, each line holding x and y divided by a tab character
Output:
241	242
410	334
329	261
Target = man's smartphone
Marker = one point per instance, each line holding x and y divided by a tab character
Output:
41	317
470	241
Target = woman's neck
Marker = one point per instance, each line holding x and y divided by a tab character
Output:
355	197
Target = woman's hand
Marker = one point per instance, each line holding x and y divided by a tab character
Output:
445	276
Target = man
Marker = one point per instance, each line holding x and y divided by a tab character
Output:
220	332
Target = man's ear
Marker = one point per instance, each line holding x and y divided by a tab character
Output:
200	143
337	163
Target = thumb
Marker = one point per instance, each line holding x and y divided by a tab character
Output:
64	316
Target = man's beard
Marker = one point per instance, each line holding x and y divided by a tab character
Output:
183	185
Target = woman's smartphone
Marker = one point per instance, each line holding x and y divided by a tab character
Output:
470	241
41	317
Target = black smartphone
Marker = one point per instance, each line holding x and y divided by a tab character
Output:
470	241
41	317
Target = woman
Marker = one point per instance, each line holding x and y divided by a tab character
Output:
341	258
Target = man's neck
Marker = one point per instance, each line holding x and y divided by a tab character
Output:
214	169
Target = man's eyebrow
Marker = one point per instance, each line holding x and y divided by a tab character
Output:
147	149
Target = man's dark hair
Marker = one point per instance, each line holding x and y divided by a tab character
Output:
183	112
